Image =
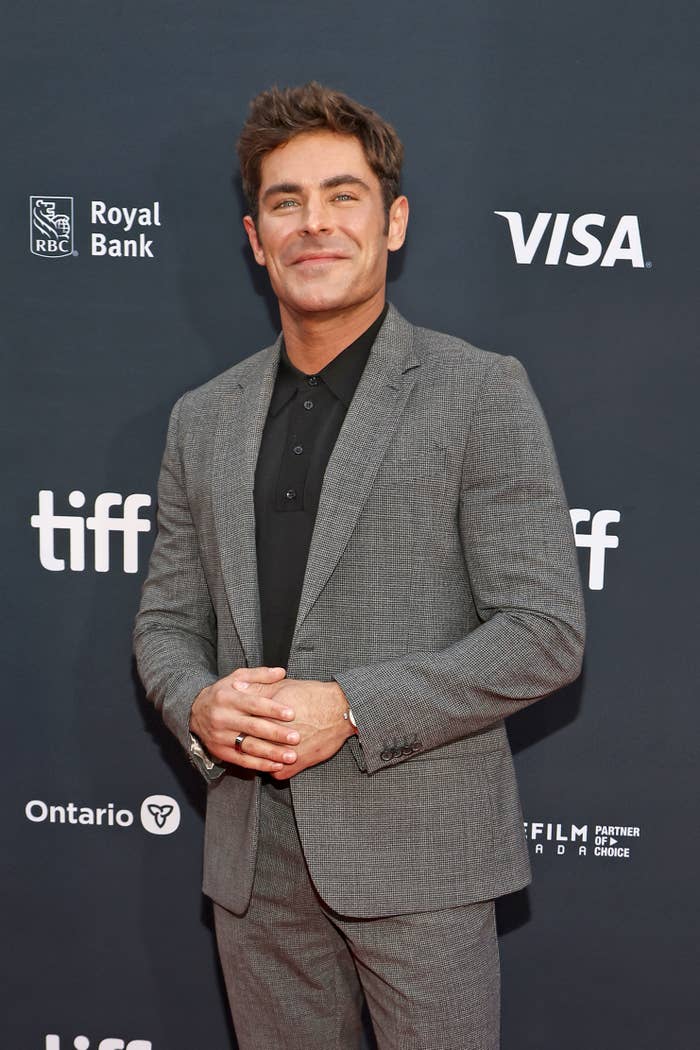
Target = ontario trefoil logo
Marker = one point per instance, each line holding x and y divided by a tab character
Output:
51	227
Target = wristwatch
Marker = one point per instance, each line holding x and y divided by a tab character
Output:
349	717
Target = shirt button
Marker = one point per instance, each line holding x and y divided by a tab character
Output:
308	404
290	494
298	449
312	380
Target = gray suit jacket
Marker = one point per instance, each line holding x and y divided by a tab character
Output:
442	592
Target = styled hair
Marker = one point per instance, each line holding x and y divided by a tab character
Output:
278	115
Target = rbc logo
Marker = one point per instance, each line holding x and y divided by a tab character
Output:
101	523
51	227
81	1042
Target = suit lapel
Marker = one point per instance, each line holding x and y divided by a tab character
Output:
370	421
237	443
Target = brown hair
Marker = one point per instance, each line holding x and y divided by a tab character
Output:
278	115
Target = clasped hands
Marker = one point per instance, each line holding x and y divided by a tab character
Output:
288	724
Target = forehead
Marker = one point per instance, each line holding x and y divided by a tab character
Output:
313	156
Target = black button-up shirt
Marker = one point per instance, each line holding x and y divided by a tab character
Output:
304	419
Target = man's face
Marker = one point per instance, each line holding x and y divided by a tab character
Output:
321	224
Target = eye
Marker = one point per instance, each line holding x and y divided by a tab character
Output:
285	204
344	196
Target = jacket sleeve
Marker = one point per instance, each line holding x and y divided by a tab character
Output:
175	630
520	558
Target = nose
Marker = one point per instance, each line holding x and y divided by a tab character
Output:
316	217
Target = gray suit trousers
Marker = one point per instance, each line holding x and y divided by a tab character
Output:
296	971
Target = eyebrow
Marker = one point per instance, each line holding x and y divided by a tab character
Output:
327	184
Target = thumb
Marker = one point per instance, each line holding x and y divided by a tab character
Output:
266	689
257	674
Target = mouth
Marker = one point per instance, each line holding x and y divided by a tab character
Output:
317	258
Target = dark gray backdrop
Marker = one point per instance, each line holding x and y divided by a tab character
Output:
546	107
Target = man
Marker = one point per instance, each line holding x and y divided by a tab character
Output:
364	563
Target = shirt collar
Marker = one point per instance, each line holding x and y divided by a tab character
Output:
341	375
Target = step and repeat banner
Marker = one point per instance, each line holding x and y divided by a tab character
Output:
551	167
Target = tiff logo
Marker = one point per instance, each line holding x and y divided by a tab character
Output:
81	1042
101	523
624	244
598	540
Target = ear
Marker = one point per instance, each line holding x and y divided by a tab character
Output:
398	221
250	229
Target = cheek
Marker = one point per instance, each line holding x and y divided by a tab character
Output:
370	236
268	239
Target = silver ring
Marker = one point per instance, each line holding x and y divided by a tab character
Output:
239	740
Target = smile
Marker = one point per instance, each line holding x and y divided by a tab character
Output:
316	260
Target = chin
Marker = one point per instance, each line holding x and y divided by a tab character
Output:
320	300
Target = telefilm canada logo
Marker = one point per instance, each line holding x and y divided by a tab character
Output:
611	243
119	231
51	227
81	1042
614	841
158	814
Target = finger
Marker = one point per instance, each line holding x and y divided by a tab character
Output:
254	748
258	674
239	758
272	733
229	702
262	729
252	687
284	773
250	697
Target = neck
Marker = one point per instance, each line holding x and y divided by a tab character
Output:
312	340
